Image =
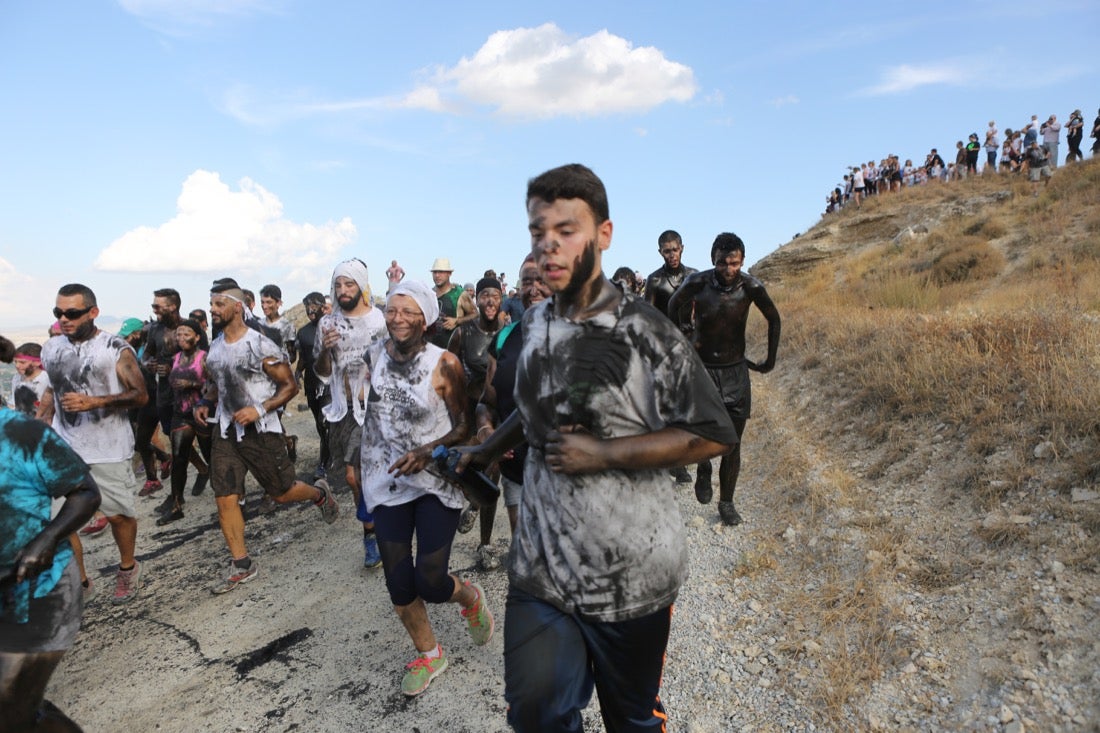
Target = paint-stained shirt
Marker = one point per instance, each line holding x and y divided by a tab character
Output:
26	394
349	369
38	466
238	370
403	412
102	435
609	545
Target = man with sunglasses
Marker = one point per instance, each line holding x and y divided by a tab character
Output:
94	380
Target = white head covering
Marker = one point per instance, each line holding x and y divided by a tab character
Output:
357	271
422	294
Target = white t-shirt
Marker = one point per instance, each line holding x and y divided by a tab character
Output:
349	368
237	369
90	367
27	393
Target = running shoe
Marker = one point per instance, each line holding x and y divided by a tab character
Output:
704	491
127	583
151	487
420	672
467	518
681	475
330	510
165	506
94	527
166	468
319	472
173	515
486	558
728	513
200	484
236	577
372	558
479	620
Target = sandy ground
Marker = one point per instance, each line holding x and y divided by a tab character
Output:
312	644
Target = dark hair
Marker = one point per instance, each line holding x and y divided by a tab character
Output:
222	284
313	297
669	236
7	350
271	291
249	298
725	243
626	276
193	325
29	349
77	289
573	181
170	293
198	314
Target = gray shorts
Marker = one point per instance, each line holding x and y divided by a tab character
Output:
117	488
512	491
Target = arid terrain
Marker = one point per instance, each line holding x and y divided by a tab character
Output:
919	553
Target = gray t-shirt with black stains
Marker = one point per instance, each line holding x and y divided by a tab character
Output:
608	545
90	367
238	371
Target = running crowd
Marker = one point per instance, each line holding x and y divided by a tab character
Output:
1031	149
575	395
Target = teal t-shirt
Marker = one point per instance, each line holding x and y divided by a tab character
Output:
38	466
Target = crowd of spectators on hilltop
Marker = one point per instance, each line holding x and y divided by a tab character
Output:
1032	149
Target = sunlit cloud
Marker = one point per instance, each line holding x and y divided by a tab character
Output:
907	77
525	73
219	230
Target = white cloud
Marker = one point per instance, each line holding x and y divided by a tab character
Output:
21	298
526	73
183	17
218	230
784	101
906	77
542	72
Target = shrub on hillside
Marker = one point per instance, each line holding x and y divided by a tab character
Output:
967	258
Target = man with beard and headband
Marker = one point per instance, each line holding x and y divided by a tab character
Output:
250	381
94	380
342	340
609	395
720	300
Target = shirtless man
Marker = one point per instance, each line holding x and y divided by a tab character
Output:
722	297
659	287
455	305
470	342
250	381
394	274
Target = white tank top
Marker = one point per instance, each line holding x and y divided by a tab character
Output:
403	412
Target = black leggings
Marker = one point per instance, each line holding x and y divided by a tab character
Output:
183	437
435	526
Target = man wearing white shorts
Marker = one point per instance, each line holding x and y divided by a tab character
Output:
94	380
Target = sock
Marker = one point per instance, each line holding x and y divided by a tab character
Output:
126	570
243	564
434	653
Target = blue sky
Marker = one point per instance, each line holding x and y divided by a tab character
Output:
148	143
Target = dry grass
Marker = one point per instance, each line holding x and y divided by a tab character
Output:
984	332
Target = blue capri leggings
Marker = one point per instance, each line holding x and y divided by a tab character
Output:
434	525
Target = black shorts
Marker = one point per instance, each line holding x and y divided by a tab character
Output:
54	619
732	381
264	454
